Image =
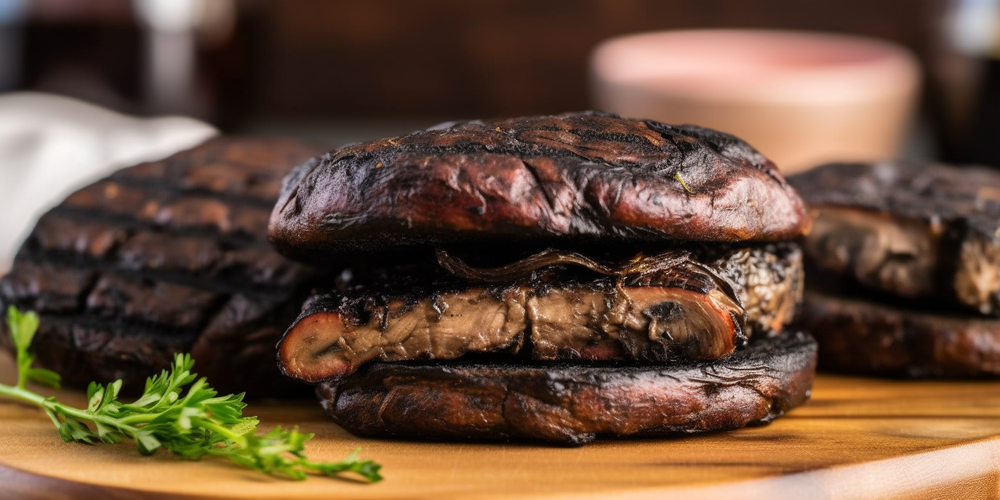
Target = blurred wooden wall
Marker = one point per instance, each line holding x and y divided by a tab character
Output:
318	59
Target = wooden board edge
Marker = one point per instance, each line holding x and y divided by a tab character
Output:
24	485
970	471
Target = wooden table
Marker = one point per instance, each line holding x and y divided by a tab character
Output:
856	438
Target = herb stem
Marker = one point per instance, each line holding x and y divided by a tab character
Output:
22	376
21	394
237	439
27	396
143	418
88	415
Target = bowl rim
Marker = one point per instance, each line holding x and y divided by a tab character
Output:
895	70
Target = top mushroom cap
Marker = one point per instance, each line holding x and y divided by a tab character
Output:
580	177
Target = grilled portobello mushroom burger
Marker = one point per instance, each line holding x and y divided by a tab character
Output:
904	264
553	278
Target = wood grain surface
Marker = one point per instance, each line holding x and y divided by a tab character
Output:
856	438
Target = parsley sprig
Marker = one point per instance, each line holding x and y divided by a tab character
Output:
177	411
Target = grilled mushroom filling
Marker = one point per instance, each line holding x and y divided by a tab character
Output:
654	308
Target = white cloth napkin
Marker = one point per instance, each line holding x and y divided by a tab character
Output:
52	145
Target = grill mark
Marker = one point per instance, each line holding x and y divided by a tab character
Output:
213	285
165	195
596	135
121	327
273	303
179	166
512	145
173	188
112	261
519	149
222	148
234	239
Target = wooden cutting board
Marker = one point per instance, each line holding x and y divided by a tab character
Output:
856	438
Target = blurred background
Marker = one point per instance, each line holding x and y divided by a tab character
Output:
340	71
316	67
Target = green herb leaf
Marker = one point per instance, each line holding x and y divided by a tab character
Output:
22	327
44	377
74	430
177	411
22	331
